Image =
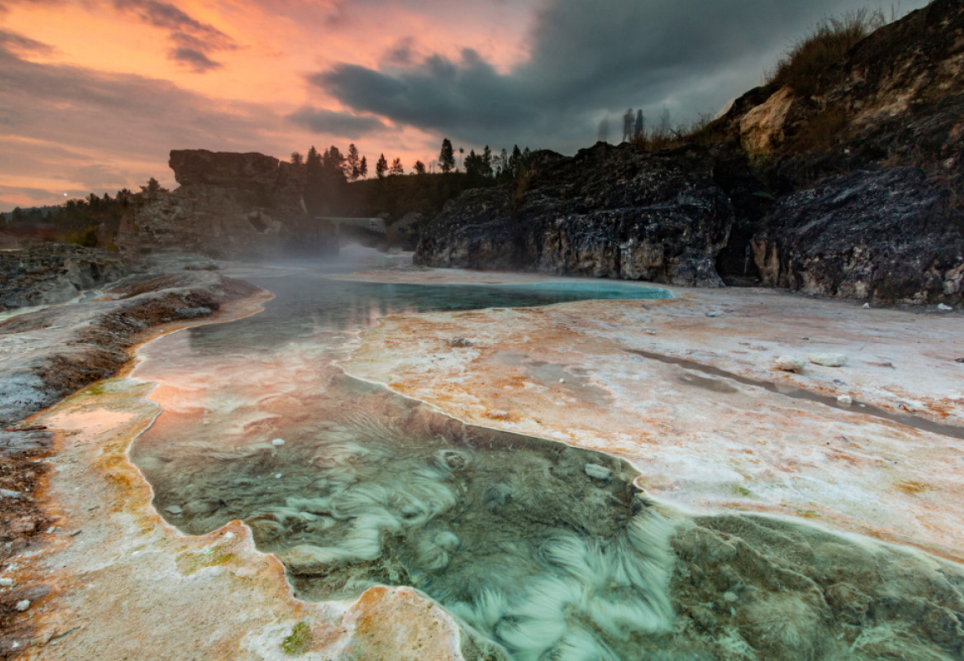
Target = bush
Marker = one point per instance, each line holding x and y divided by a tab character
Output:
804	63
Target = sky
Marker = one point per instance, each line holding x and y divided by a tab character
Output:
95	93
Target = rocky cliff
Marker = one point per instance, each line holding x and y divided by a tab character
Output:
230	206
611	212
849	186
50	273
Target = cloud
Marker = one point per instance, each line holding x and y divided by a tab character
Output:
195	59
584	63
106	130
17	43
193	40
330	122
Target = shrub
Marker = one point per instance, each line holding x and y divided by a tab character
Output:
813	55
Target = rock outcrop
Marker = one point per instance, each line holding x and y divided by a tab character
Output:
612	212
889	235
855	189
50	273
230	206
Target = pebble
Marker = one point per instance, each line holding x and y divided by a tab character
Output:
174	509
598	472
6	582
844	400
944	308
562	380
8	493
959	360
460	342
229	535
277	476
278	442
790	364
866	306
22	605
828	359
731	597
712	314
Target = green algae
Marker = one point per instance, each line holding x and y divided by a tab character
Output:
299	641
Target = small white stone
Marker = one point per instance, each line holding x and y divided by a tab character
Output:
277	476
790	364
562	380
866	306
598	472
22	605
174	509
844	400
730	597
944	308
6	582
828	359
278	442
229	535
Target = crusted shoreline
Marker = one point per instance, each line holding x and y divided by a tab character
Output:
45	356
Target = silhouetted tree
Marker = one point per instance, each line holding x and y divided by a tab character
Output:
363	167
419	167
297	158
150	191
446	157
487	171
353	163
381	166
397	167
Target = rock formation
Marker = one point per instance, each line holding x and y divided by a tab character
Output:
51	273
855	189
611	212
230	206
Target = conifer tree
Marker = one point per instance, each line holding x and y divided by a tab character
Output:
381	167
446	157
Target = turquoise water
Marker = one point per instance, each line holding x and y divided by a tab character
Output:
543	552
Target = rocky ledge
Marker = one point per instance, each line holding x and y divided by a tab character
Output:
51	273
50	353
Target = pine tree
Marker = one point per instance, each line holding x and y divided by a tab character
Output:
397	167
363	167
297	158
381	167
446	157
353	163
487	163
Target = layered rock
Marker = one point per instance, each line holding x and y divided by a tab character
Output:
230	206
50	273
611	212
889	235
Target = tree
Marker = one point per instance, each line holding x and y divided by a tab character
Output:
473	167
363	167
446	157
151	190
397	167
297	158
381	167
419	167
353	163
487	171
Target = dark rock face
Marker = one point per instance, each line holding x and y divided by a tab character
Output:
610	212
231	206
53	273
890	235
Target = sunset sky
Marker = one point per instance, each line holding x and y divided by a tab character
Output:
95	93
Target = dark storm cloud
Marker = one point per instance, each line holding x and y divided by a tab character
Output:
193	40
342	124
585	62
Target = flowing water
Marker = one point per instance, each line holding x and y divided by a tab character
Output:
542	551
